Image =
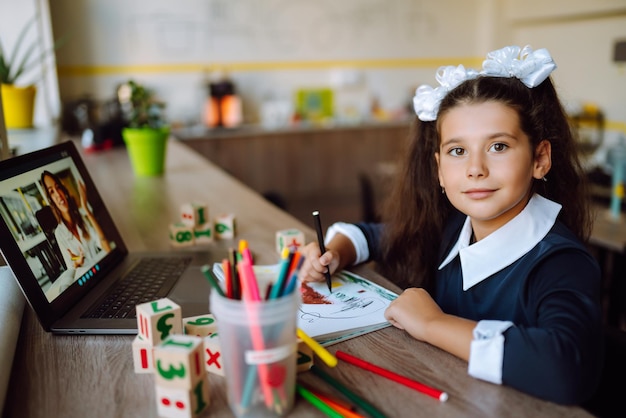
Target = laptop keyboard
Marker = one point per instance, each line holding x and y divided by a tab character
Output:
150	279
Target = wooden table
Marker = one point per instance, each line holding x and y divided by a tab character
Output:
93	376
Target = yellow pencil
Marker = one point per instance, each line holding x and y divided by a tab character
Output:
325	355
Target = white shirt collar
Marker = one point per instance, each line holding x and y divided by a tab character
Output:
485	257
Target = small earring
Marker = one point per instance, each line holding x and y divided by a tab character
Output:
544	178
443	190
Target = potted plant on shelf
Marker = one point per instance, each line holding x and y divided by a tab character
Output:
18	100
147	131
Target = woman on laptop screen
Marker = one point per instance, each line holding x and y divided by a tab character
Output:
78	234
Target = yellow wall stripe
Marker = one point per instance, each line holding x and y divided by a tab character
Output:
611	125
98	70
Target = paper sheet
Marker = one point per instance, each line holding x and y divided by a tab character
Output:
356	305
11	309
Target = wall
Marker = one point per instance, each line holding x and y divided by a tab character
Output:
581	36
272	47
269	47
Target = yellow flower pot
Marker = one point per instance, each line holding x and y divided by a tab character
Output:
18	104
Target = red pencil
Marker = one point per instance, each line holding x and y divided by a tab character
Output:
420	387
228	278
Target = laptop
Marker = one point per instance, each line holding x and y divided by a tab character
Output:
75	289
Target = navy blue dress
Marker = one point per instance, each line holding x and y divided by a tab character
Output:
551	294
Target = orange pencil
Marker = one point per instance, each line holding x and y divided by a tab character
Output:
344	410
228	278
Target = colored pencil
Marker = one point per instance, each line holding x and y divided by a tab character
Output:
320	239
293	280
324	354
317	402
345	411
250	293
285	262
206	270
249	285
245	251
353	397
232	258
420	387
228	278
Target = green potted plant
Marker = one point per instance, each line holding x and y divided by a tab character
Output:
147	132
19	99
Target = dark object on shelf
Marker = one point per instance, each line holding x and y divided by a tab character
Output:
99	125
589	126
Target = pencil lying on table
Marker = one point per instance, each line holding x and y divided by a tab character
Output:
420	387
346	411
361	403
317	402
325	355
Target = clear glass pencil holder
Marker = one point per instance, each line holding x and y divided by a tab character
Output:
259	352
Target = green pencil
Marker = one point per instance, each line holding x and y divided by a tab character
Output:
317	402
206	270
356	399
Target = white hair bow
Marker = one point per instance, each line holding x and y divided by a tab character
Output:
530	67
427	99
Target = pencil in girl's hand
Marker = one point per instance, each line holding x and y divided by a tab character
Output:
206	270
320	239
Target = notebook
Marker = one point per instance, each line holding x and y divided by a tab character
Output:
69	285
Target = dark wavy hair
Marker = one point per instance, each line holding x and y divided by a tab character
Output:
417	211
75	214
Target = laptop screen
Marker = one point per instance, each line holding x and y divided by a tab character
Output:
61	238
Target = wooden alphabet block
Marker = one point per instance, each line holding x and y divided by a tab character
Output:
204	233
213	354
290	238
305	357
194	214
158	319
179	361
200	326
225	226
181	235
183	403
143	357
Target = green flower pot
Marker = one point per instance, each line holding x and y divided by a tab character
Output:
146	149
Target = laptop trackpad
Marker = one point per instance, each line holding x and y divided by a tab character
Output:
192	292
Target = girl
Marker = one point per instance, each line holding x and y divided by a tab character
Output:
80	237
485	231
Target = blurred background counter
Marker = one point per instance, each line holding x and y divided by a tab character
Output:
304	167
